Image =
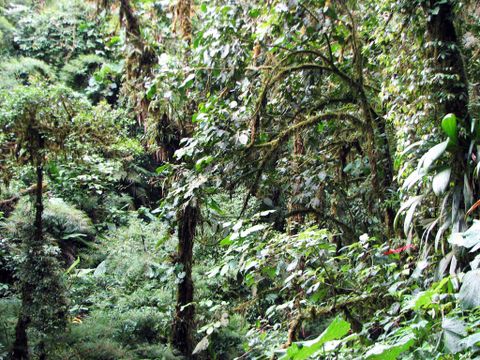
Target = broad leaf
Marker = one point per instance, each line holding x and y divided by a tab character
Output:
470	341
470	289
391	351
469	239
337	329
453	331
449	125
101	269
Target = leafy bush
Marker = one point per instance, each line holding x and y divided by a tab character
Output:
105	83
24	70
6	35
9	309
60	33
99	349
62	222
77	72
144	325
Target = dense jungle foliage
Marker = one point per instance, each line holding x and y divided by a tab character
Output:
239	179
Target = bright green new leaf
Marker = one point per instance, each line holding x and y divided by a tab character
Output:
151	92
449	125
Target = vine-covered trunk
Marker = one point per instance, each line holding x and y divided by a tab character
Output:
38	235
378	153
298	150
448	63
20	347
185	310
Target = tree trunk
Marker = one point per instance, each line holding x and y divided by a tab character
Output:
448	60
185	310
298	150
38	235
20	346
449	66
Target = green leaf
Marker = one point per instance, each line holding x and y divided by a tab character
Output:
212	204
469	239
188	82
151	92
449	125
201	346
389	351
163	168
453	331
337	329
227	241
73	236
422	299
203	162
73	266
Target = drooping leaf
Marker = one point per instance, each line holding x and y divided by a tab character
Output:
475	262
409	217
407	204
440	181
201	346
431	156
412	179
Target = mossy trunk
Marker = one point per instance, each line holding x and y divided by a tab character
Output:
185	310
20	347
298	219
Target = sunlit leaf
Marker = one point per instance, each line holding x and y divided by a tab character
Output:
449	125
389	351
337	329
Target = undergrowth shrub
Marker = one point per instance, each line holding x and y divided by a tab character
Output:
24	70
77	72
125	302
66	226
9	309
